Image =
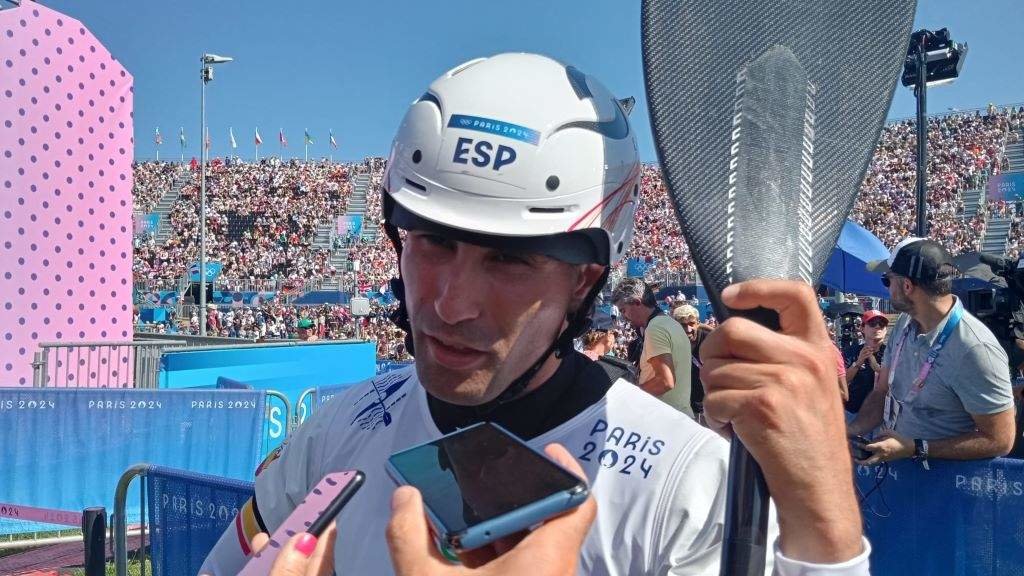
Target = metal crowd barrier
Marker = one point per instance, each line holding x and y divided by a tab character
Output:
200	529
190	340
301	411
99	364
289	423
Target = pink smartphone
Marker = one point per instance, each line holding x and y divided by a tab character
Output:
313	515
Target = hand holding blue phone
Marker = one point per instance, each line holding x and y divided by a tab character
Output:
550	550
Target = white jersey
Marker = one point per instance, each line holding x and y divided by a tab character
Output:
659	479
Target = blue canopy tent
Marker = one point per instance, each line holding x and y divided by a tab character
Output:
846	268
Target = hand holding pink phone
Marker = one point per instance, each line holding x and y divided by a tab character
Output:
303	555
312	516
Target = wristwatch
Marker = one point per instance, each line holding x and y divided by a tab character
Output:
921	452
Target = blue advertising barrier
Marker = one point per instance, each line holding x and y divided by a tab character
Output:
187	514
323	297
220	298
289	368
229	384
350	225
153	315
155	297
963	518
213	269
65	449
637	267
1008	186
239	299
278	409
145	223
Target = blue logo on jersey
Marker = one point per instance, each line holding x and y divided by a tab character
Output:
627	455
497	127
383	395
480	154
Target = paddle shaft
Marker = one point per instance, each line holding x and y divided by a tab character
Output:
745	547
746	516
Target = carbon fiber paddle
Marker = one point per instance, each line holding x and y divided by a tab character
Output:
765	115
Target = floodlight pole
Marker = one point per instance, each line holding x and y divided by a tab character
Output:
206	75
921	92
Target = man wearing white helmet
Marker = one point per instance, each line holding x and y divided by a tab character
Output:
510	192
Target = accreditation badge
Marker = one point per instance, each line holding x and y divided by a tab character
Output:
891	412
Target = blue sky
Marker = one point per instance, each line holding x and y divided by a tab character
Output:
354	66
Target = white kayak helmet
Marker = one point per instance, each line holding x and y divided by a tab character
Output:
522	152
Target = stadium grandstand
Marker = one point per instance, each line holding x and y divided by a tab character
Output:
274	225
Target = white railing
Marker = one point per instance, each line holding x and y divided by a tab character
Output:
99	364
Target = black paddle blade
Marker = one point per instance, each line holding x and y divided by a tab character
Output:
765	115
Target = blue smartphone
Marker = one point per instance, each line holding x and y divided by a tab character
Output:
482	483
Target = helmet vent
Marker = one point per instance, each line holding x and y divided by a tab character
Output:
416	185
547	210
430	97
552	183
417	156
464	66
578	81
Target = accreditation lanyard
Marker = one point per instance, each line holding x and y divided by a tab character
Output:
933	353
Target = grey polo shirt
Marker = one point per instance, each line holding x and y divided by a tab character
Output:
970	376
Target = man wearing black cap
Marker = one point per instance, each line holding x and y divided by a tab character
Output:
944	387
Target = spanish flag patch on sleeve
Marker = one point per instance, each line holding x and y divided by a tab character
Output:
247	526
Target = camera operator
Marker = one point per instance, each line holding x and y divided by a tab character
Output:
944	387
1018	442
864	361
1017	358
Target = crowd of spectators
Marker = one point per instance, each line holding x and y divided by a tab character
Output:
657	239
278	321
151	181
371	261
263	218
963	151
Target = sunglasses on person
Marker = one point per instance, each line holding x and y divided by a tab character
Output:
885	280
877	323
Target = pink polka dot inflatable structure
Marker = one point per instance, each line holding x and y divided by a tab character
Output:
66	149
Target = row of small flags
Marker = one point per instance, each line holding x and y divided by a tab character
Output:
281	139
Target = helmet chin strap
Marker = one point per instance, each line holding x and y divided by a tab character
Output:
578	323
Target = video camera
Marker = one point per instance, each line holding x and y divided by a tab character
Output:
1001	308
